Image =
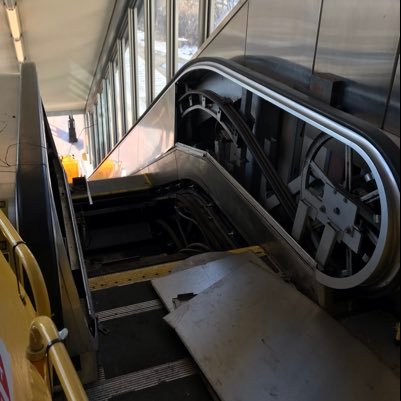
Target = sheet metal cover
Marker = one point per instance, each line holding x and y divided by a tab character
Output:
258	339
196	279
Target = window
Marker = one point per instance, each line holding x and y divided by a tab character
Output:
92	148
96	136
100	127
117	95
129	111
110	107
159	46
188	30
105	120
141	59
220	10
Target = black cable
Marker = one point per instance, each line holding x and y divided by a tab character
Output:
182	232
199	245
5	162
171	233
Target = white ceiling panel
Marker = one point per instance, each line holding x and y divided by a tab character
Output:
8	61
64	39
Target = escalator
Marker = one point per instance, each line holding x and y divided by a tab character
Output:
226	159
226	167
326	179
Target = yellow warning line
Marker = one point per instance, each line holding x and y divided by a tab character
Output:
149	273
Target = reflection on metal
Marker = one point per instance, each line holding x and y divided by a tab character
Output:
9	85
358	42
150	138
230	40
252	318
285	31
392	121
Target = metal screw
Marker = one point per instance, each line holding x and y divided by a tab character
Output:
377	218
323	209
337	211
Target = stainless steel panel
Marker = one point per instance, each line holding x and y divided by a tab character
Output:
9	102
163	171
257	338
358	41
392	122
196	279
148	140
229	41
250	219
284	30
118	185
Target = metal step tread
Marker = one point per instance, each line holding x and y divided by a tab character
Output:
129	310
136	381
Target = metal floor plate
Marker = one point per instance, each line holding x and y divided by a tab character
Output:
258	339
196	279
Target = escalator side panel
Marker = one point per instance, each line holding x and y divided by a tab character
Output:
34	210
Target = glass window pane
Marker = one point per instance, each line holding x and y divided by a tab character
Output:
188	30
117	94
129	113
105	120
160	46
221	9
92	139
111	140
100	126
96	135
141	59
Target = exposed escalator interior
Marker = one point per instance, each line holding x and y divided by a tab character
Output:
140	229
140	356
240	162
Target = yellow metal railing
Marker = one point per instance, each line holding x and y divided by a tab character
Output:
46	347
25	260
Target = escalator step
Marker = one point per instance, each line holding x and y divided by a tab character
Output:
138	342
187	389
118	297
135	382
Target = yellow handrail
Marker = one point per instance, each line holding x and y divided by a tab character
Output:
30	265
44	341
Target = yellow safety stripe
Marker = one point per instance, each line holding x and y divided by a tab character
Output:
149	273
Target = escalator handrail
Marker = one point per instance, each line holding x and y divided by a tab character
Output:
293	101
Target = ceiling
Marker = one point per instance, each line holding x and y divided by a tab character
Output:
64	39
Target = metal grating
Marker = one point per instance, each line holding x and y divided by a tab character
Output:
129	310
105	390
